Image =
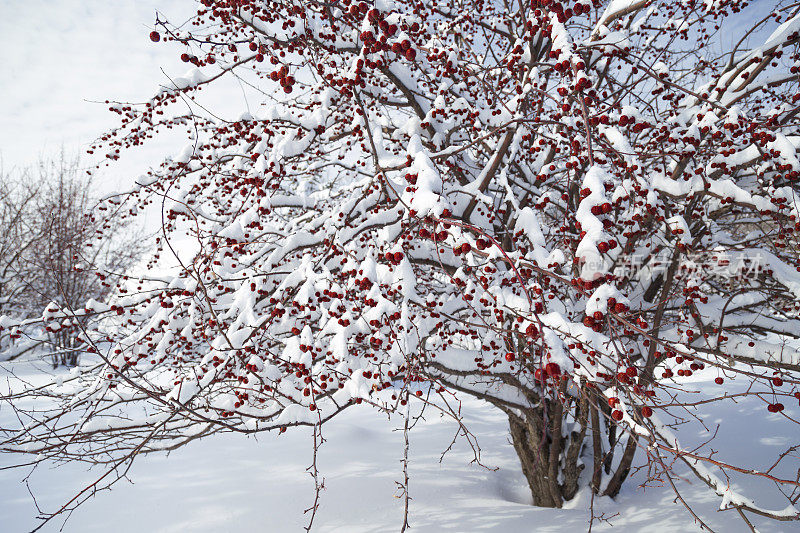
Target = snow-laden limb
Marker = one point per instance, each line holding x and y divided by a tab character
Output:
703	467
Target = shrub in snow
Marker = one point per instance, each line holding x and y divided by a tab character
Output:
565	209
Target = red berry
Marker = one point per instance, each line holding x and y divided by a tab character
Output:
552	369
777	381
647	412
510	356
719	381
155	36
616	415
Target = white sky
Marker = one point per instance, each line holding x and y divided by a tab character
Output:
58	56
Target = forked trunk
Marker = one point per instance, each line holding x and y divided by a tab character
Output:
556	441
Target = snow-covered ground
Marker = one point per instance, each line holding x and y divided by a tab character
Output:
234	483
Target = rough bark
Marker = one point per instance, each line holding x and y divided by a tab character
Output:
552	460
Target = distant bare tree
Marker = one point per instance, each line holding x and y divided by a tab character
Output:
17	236
15	203
55	256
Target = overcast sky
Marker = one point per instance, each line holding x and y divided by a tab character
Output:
59	56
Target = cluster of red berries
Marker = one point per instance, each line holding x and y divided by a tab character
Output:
607	245
628	375
462	248
601	209
775	407
403	48
550	370
282	74
558	8
588	285
386	31
393	258
598	210
188	58
437	236
595	320
482	244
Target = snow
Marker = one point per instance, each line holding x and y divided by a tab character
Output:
235	483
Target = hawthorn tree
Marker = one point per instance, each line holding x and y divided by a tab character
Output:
564	209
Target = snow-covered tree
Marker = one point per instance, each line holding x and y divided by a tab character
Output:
565	209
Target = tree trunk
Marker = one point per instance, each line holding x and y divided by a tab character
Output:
553	459
67	349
